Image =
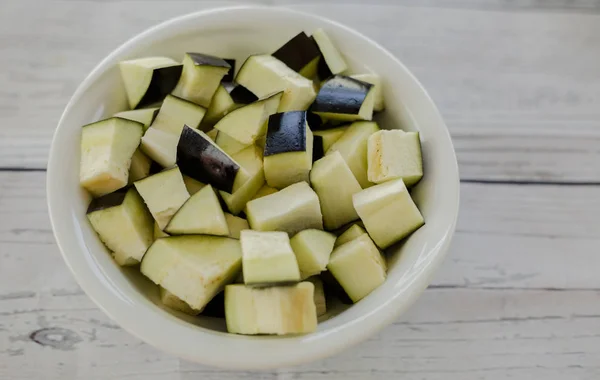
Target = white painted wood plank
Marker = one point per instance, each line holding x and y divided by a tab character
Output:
466	334
518	105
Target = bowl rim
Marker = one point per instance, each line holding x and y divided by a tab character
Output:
320	344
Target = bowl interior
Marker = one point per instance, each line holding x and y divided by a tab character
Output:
132	300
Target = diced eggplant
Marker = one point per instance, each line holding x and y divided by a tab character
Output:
175	113
345	99
248	123
330	136
200	158
358	266
251	160
312	249
123	223
201	214
395	154
160	140
192	185
139	167
106	150
200	78
318	150
375	80
228	78
301	54
353	148
288	149
264	191
388	212
236	225
264	75
194	268
333	62
229	145
158	233
164	193
334	183
149	80
291	210
319	296
268	258
213	133
220	104
276	310
144	115
161	146
350	234
171	301
241	95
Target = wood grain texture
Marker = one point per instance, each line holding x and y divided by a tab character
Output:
518	104
518	83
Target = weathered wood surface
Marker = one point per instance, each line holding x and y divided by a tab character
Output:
518	83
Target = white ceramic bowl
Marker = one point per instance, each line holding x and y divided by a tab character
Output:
132	301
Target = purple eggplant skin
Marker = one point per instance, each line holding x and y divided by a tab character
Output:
318	151
298	52
229	76
334	97
201	59
201	159
162	84
323	71
113	199
286	133
241	95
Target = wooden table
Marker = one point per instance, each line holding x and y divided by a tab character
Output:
518	83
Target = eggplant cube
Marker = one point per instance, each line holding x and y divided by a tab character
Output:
395	154
251	160
375	80
264	75
123	223
344	98
200	78
140	166
288	149
247	124
149	80
291	210
200	158
220	104
194	268
268	258
330	136
335	185
145	116
201	214
301	54
264	191
236	225
164	193
350	234
333	62
171	301
312	249
388	212
352	145
107	147
276	310
358	266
